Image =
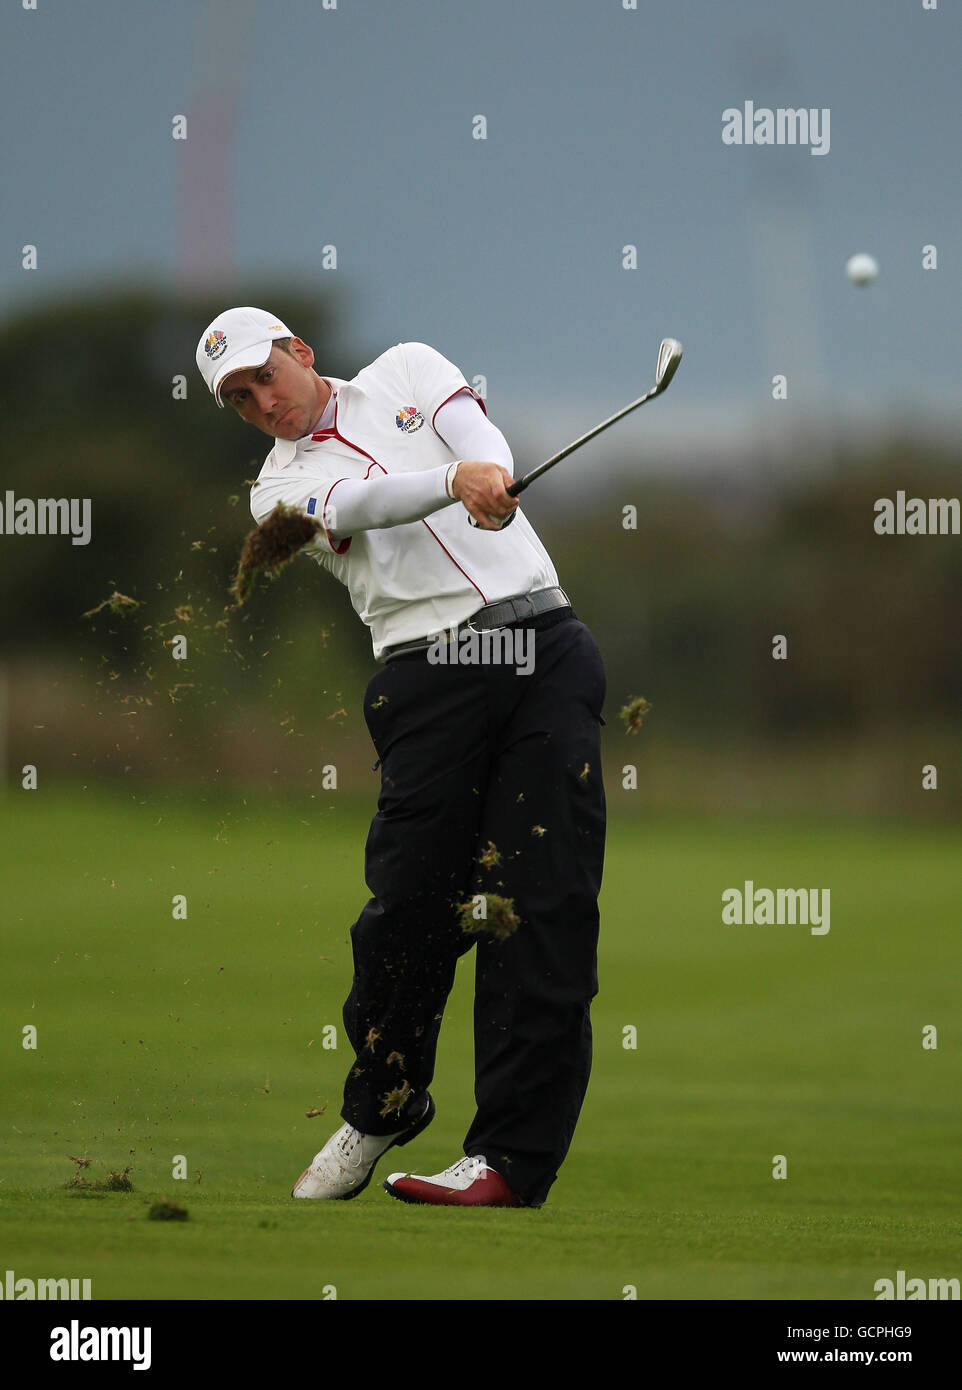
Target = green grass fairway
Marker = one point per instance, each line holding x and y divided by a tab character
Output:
204	1037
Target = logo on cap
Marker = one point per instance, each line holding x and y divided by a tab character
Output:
216	344
409	419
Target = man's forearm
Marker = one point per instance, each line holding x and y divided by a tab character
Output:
401	498
354	505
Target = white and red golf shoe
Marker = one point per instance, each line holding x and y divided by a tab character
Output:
344	1166
467	1183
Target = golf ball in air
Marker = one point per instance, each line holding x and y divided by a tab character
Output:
861	268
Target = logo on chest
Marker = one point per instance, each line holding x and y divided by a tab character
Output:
409	419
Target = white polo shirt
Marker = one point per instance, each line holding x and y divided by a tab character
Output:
414	579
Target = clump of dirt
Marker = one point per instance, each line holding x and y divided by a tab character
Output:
165	1210
117	602
499	919
633	713
395	1100
113	1182
271	545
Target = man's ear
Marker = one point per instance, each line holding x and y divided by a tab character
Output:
303	353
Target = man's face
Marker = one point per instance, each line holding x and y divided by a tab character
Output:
284	397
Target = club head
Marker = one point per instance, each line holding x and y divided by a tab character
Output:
669	355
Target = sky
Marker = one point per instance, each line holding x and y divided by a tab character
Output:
352	124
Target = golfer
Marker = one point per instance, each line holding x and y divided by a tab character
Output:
485	712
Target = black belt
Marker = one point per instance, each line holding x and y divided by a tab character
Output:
504	613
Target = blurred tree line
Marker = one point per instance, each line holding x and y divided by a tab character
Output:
685	607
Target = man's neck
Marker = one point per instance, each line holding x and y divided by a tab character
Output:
324	403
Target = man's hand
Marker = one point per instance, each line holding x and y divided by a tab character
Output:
482	487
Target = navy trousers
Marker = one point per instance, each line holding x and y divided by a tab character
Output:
474	756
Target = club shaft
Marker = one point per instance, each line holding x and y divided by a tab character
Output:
528	478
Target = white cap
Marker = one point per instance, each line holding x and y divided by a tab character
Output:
235	340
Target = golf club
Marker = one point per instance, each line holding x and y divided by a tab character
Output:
669	356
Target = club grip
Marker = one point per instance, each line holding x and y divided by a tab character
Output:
507	521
